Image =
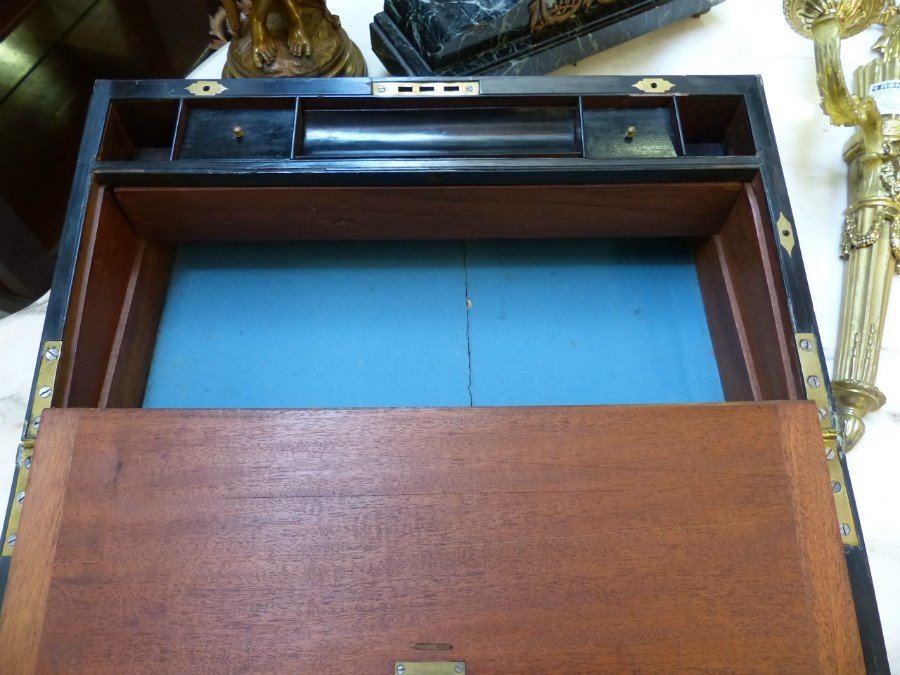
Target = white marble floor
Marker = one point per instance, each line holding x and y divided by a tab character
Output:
738	37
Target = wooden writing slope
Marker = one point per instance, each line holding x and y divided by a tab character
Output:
488	376
530	539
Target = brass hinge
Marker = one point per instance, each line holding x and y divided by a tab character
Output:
42	398
388	88
44	386
430	668
23	464
814	381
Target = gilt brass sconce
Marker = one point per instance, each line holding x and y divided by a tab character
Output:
870	240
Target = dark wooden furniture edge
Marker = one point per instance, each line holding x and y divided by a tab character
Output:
803	319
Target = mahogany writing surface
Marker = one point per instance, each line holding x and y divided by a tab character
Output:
580	539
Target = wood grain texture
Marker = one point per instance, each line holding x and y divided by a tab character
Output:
759	294
446	212
746	306
567	540
829	603
24	607
60	48
100	289
737	371
132	348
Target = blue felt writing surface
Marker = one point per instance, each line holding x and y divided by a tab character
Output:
313	325
387	324
588	321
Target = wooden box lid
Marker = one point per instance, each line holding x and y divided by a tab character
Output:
537	540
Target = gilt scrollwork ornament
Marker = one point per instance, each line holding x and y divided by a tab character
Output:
853	16
545	13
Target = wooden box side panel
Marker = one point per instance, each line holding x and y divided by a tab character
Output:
446	212
531	540
121	270
116	300
746	306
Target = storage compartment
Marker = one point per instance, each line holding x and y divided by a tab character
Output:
630	127
466	132
140	131
714	125
335	128
605	302
438	323
254	129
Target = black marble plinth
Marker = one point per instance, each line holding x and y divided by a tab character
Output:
497	37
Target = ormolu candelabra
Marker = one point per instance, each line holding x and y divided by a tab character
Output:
871	236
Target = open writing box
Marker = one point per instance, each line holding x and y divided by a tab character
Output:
344	375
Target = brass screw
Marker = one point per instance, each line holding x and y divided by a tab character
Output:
630	133
238	132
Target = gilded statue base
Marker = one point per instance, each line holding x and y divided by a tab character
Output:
334	54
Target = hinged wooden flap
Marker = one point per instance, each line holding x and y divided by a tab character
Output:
590	539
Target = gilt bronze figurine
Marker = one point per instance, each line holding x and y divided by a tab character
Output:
289	38
871	236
